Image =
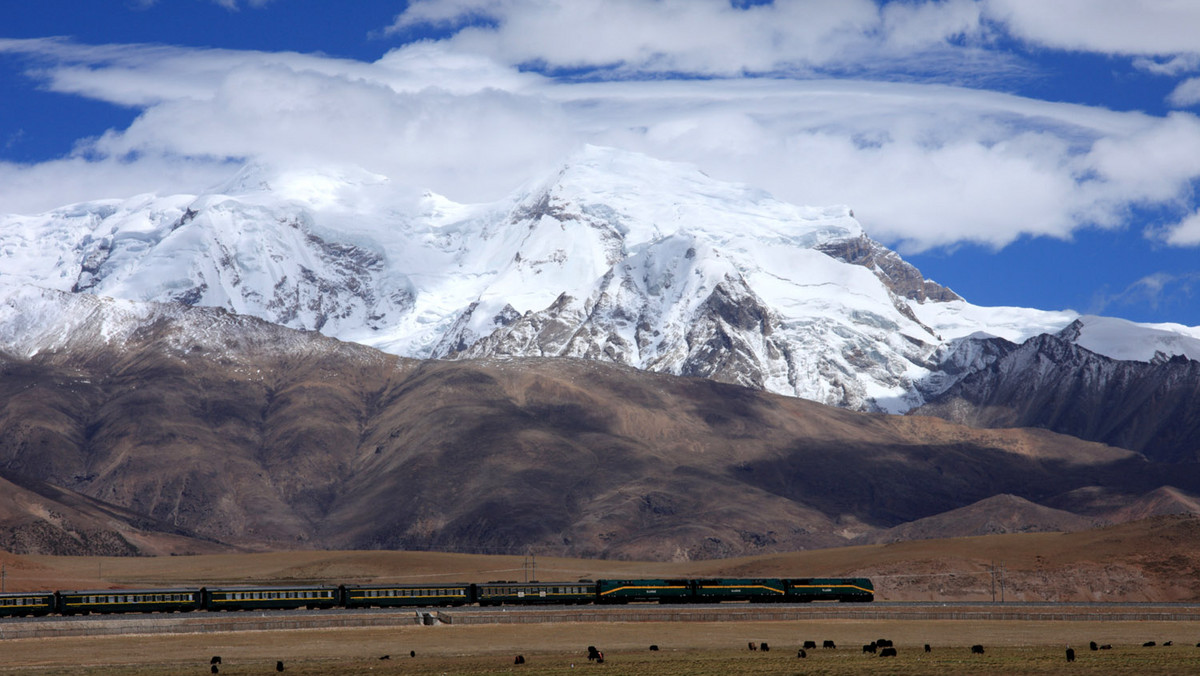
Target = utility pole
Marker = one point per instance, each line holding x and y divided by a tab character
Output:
3	578
993	581
530	565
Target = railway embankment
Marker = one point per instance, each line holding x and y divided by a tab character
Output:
202	623
768	613
196	623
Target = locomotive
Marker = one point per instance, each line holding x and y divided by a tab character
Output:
775	590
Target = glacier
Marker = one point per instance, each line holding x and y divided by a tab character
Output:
616	256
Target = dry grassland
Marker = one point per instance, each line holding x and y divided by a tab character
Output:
1013	647
1151	561
686	648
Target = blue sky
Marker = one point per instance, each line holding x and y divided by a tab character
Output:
1022	152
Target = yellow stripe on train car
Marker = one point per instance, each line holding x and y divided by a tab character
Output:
740	587
628	587
831	587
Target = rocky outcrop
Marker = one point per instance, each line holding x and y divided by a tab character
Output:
1050	382
902	278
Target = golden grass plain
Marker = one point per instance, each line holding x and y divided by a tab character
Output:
1013	647
685	648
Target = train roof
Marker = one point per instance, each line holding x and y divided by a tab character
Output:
294	587
98	592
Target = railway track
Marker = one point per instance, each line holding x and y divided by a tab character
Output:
279	620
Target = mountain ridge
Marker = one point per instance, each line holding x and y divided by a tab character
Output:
617	256
246	434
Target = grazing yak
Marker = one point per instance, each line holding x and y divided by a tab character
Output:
976	649
1070	654
887	652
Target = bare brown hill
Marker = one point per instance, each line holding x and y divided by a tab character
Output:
252	435
990	516
36	517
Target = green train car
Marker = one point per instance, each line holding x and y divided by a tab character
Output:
274	598
853	589
497	593
29	603
758	590
128	601
390	596
634	591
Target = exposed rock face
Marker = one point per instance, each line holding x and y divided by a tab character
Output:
1050	382
902	278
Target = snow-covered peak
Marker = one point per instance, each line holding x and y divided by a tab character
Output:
1129	341
615	256
646	199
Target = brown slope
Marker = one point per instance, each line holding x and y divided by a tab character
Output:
263	437
1162	501
37	518
990	516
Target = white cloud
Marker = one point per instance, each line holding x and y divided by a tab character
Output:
1186	94
47	185
1185	232
923	165
700	36
1132	27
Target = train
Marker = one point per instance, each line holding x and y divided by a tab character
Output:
496	593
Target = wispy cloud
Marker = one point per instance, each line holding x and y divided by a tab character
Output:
232	5
1152	291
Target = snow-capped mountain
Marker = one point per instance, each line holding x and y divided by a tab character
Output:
617	257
